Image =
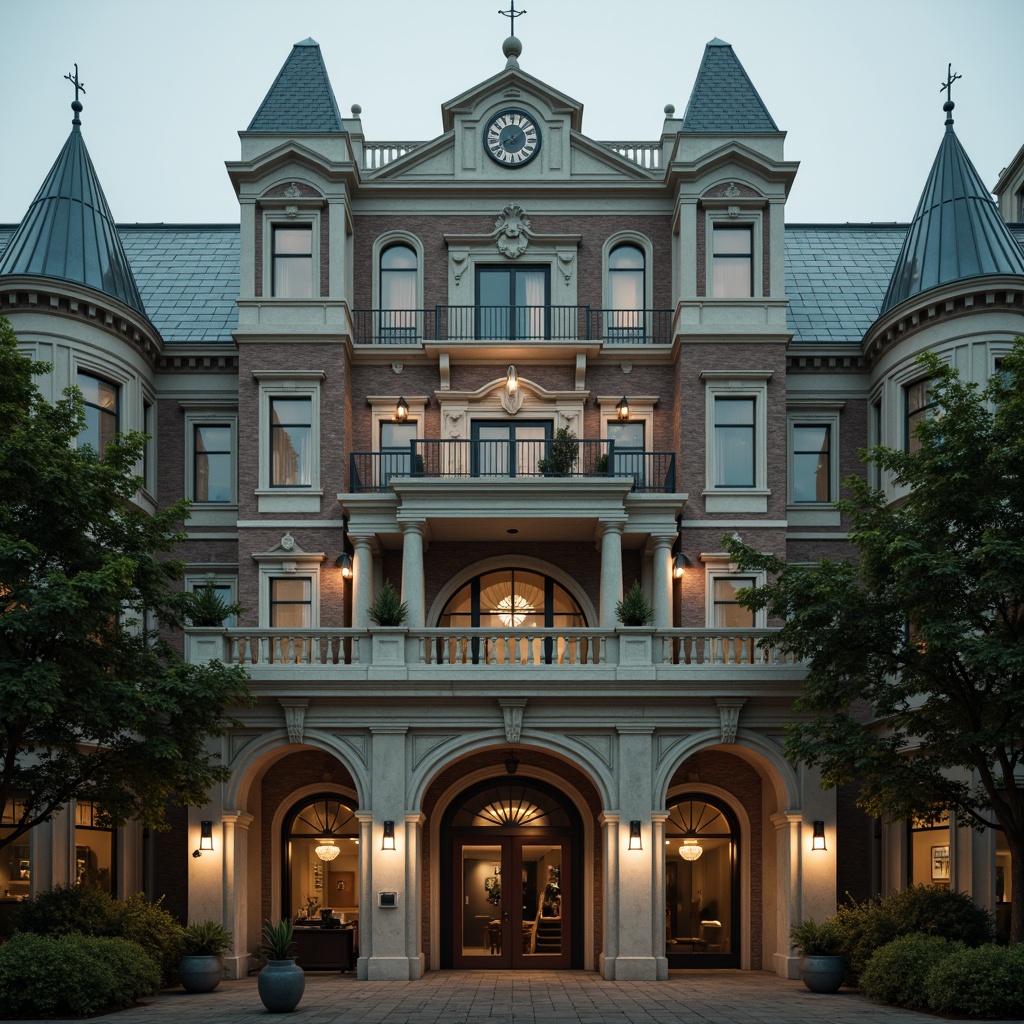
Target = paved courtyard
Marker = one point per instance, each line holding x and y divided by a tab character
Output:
552	997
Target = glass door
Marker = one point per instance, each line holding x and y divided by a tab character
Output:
511	906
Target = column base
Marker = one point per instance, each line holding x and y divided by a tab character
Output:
632	968
786	966
391	968
236	967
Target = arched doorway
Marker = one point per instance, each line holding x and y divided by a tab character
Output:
511	877
702	883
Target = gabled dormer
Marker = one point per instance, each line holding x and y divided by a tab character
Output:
730	184
294	184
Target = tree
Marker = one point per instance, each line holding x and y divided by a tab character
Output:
94	703
915	651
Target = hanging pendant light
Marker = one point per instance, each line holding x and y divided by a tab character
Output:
691	850
327	851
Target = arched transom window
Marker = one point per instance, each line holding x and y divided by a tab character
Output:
510	599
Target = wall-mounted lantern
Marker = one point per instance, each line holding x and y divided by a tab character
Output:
205	838
635	842
389	836
818	841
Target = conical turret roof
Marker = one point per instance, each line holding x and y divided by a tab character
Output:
301	98
69	233
724	99
957	232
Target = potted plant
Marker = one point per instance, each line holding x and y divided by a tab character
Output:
204	944
565	453
821	963
387	609
634	609
281	981
205	611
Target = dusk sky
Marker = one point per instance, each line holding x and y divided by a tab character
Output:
168	85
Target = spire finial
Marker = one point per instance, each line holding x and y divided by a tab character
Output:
947	88
79	87
512	14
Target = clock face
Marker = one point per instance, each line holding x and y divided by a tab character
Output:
512	138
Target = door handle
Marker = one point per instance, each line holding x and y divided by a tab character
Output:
504	915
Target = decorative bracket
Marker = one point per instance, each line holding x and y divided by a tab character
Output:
729	715
512	711
294	718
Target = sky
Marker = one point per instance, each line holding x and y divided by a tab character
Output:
169	83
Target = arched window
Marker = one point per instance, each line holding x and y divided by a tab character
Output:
627	288
398	305
512	598
320	837
702	883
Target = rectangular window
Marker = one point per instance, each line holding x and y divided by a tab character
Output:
732	262
291	603
919	404
512	302
291	438
812	466
734	442
101	411
728	613
293	262
396	450
212	462
628	453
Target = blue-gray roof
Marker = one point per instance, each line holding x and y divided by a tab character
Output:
68	231
187	275
836	277
301	98
957	232
723	97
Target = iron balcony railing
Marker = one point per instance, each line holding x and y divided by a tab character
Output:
512	323
519	459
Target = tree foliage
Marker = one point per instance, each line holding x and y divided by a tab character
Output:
94	703
915	650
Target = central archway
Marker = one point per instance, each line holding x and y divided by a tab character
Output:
511	877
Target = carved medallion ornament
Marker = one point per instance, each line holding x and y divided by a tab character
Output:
510	230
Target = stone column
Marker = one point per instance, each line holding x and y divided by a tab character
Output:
413	872
610	845
412	573
788	826
366	908
611	572
658	820
661	582
362	579
235	870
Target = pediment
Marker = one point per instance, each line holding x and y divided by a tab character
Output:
292	156
512	85
738	159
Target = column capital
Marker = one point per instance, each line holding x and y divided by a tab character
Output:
786	819
239	819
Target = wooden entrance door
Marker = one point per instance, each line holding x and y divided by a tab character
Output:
511	902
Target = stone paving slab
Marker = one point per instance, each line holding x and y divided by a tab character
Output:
534	997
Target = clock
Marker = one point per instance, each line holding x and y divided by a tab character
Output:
512	138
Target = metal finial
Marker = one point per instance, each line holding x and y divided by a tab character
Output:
79	87
947	88
512	14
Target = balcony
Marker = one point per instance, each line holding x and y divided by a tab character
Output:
512	323
593	658
650	472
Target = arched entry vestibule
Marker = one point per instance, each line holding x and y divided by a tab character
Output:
702	883
511	877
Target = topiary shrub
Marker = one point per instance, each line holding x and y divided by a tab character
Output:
387	608
634	609
85	910
896	973
927	909
72	975
983	983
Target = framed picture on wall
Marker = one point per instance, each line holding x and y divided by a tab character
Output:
940	863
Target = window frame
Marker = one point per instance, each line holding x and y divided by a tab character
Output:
303	216
643	244
812	412
289	384
922	413
513	270
735	216
101	377
727	384
718	566
381	245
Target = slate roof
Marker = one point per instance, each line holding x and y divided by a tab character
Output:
301	98
957	232
836	277
68	231
723	97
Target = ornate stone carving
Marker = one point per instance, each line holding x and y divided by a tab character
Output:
511	403
397	367
733	211
294	718
510	230
451	423
287	542
460	262
512	712
729	716
566	262
291	210
293	191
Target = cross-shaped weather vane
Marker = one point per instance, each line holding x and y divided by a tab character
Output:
512	14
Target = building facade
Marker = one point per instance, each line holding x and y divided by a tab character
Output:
510	371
